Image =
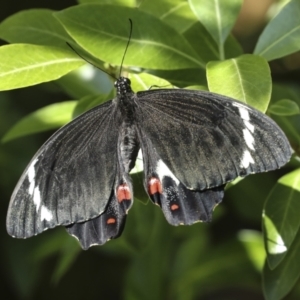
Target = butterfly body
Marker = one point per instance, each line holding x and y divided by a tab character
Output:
193	143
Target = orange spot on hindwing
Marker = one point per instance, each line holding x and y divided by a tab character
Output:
111	221
174	207
154	186
123	192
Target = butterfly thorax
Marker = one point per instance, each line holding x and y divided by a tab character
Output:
128	141
124	99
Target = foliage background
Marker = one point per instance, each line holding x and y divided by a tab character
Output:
152	260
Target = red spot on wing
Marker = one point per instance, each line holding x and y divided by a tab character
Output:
123	193
174	206
111	221
154	186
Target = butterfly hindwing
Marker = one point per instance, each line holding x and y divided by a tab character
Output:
111	222
207	139
71	177
180	205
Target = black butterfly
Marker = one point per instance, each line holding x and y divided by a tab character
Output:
193	143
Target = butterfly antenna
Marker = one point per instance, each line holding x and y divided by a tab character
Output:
129	38
88	61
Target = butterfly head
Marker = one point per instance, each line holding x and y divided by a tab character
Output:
123	86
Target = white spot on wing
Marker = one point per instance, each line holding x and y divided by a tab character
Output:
247	159
249	126
46	214
244	113
249	139
162	170
37	198
31	176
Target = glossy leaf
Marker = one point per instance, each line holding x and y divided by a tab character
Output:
207	49
281	217
24	65
143	81
49	117
157	46
130	3
246	78
218	17
284	107
34	26
84	81
277	283
176	13
282	35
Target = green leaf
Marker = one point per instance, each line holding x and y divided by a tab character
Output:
88	102
69	251
208	49
144	81
84	81
23	65
278	283
284	107
289	124
176	13
154	252
281	217
130	3
254	245
34	26
218	17
48	117
282	35
211	267
157	46
246	78
182	78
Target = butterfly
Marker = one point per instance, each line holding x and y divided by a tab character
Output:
193	143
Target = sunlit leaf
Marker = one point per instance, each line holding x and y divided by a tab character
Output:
48	117
144	81
176	13
277	283
23	65
218	17
254	245
281	217
207	49
34	26
246	78
157	46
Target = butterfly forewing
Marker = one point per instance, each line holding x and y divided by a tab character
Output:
71	177
206	139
